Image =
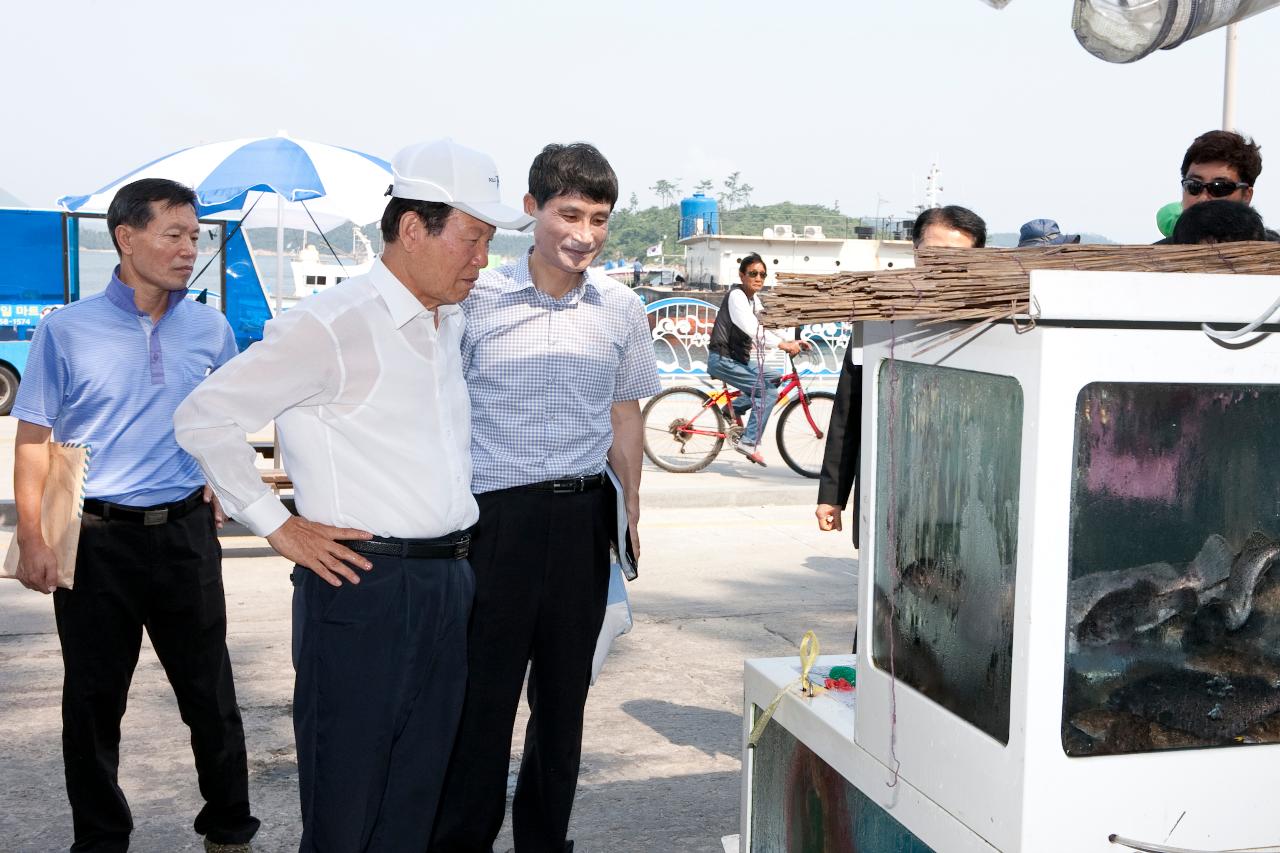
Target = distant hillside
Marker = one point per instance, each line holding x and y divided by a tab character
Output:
631	232
340	238
1008	240
509	244
8	199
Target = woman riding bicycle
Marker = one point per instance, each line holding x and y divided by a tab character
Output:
737	357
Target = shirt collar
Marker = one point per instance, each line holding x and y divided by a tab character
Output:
522	279
401	303
121	296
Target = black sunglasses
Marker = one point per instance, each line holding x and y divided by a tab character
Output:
756	274
1216	189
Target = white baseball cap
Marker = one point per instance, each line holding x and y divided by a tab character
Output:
464	178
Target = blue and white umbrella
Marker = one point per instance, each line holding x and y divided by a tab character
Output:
316	186
312	180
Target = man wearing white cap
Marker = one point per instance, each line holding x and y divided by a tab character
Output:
365	385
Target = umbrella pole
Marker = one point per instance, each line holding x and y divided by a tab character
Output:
279	252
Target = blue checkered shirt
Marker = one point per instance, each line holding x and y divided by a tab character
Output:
543	374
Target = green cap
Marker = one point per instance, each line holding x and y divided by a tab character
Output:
1167	217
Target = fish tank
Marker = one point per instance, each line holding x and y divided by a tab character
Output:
1173	613
1068	590
949	460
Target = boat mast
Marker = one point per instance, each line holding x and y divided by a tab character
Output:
931	188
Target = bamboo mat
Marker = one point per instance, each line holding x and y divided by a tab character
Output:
985	285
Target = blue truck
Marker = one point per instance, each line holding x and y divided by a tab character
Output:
42	267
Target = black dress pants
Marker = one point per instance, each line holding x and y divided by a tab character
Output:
542	580
381	668
166	578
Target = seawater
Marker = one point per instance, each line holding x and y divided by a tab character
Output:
96	266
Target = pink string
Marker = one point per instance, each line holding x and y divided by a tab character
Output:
892	535
757	387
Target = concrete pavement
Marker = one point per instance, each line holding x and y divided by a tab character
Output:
733	567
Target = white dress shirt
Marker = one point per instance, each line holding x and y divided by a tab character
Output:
371	408
744	314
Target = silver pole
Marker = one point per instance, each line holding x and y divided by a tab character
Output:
279	252
1229	82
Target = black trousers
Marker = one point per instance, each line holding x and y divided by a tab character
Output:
542	579
381	668
166	578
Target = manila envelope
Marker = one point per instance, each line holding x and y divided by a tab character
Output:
61	511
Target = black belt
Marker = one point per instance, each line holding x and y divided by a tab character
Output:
148	515
455	546
569	485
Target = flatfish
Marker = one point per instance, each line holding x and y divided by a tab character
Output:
1112	732
1215	707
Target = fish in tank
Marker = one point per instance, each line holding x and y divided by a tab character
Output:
1173	614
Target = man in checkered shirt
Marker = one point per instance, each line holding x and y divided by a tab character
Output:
557	357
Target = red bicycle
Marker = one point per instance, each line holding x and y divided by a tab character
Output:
685	427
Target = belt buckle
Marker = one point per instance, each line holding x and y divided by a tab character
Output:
462	546
152	517
566	487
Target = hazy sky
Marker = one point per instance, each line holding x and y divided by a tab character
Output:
810	101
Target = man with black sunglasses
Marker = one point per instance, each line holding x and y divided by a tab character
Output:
1220	165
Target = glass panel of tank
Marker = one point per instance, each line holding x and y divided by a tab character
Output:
948	464
1173	618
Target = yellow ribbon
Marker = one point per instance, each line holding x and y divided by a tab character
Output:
808	655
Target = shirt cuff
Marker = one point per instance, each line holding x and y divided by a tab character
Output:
829	493
31	417
265	515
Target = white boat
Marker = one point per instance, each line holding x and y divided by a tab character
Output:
314	273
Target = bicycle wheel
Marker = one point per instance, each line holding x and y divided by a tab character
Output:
800	444
683	432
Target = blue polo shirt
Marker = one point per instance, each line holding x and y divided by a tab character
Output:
101	373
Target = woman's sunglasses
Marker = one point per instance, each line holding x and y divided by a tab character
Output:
756	274
1216	189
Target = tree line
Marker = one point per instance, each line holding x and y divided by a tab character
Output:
735	193
633	230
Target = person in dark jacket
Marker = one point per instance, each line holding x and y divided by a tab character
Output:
940	227
737	348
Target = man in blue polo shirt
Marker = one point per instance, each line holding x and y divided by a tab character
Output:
108	371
